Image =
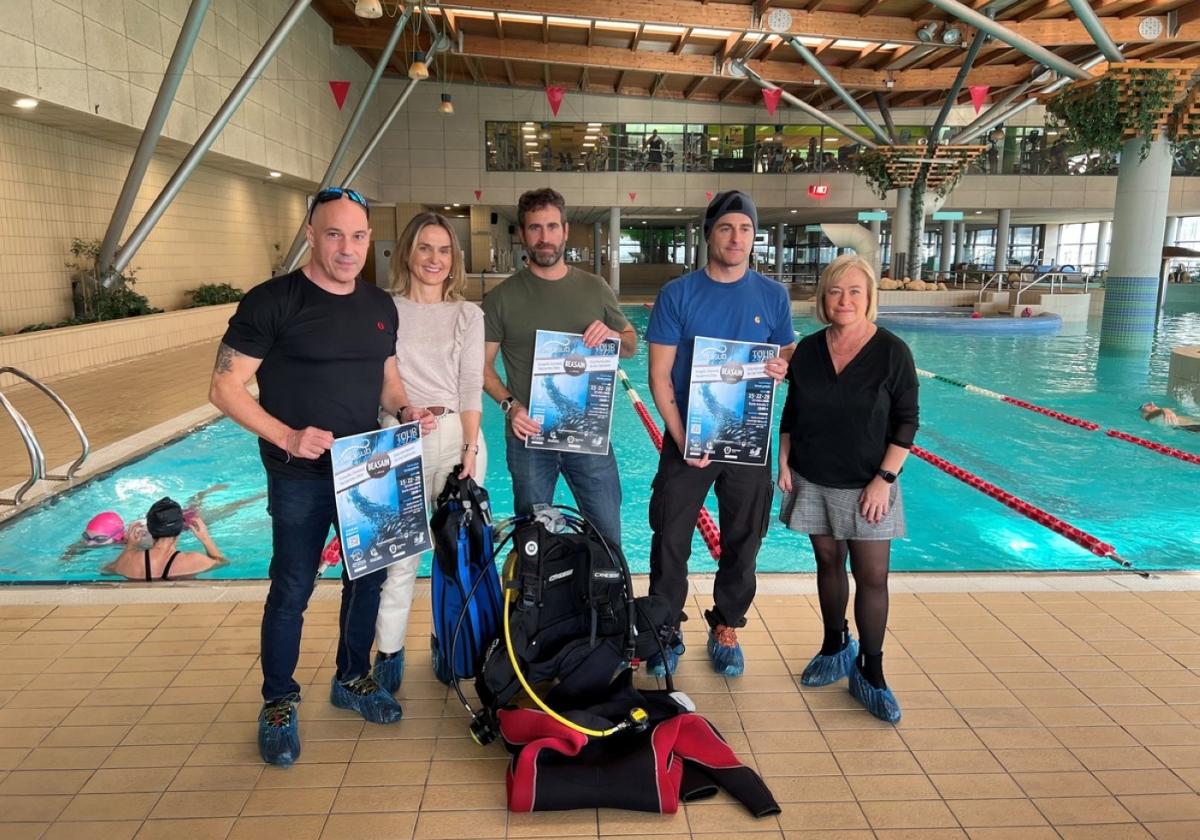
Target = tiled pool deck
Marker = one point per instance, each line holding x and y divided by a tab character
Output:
1026	715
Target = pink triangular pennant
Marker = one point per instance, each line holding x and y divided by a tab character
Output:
771	98
632	196
554	95
978	96
340	89
478	194
708	195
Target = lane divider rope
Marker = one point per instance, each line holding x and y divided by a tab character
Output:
1153	446
704	523
1048	520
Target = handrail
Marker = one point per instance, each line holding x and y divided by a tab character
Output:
1061	275
85	446
37	459
998	277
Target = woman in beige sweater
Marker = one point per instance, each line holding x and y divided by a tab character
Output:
439	350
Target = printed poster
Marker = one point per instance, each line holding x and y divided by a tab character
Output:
571	393
730	399
380	490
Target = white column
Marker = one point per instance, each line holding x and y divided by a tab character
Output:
947	246
1003	219
960	243
1102	242
689	242
779	252
597	245
614	249
876	228
901	225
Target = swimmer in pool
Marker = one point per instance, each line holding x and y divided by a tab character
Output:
1152	413
107	529
165	521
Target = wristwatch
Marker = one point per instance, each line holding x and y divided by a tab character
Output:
886	475
506	404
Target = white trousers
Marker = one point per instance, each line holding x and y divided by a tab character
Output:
441	451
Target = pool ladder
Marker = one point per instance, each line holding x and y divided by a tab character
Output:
37	458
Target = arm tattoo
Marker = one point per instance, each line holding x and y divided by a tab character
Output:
225	355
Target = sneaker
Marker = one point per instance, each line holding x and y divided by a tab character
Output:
657	667
823	670
365	696
878	701
389	670
725	652
279	732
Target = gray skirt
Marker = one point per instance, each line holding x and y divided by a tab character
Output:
835	512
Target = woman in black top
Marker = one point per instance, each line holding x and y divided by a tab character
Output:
848	423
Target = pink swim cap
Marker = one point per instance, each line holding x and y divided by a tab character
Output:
105	527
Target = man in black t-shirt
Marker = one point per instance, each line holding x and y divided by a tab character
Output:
322	345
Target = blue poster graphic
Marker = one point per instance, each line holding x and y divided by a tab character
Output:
730	401
571	394
380	490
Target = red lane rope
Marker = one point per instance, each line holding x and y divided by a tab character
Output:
704	523
1049	412
1154	446
1080	537
1160	448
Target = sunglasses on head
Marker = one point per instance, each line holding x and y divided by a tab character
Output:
333	194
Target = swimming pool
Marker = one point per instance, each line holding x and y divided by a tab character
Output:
1141	502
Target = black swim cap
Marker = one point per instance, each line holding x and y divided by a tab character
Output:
165	518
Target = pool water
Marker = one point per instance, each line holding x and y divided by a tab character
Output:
1141	502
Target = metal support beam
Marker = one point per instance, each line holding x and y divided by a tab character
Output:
819	68
1019	42
188	34
992	110
358	164
994	115
972	53
209	135
820	116
1087	16
360	111
886	113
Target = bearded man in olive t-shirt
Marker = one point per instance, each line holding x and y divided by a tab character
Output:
550	295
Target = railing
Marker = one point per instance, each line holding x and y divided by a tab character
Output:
999	278
37	458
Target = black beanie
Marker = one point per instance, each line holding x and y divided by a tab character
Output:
165	518
732	201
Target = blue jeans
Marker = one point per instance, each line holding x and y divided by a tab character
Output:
301	514
593	481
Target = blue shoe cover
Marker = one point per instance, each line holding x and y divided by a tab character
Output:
389	673
878	701
824	670
364	696
726	658
279	732
656	667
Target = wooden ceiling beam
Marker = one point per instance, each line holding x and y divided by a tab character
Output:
693	86
1050	33
637	38
658	83
683	39
616	58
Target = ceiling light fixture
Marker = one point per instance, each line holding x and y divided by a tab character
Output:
369	9
447	106
951	36
418	70
26	103
925	33
275	174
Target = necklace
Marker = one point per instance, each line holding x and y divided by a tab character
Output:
852	347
